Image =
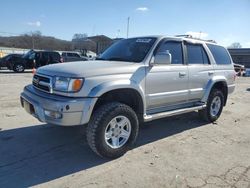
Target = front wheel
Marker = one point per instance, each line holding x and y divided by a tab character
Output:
112	130
214	107
18	68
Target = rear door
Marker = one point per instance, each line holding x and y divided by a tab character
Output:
200	70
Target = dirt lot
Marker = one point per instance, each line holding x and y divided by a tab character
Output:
180	151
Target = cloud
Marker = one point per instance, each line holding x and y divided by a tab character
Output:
36	24
142	9
199	35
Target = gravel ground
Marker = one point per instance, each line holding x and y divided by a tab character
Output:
180	151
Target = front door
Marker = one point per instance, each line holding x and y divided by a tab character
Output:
167	85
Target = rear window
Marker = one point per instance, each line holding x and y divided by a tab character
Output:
220	54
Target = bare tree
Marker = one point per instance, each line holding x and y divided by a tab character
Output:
80	36
235	45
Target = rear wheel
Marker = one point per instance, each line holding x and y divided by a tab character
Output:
214	107
18	67
112	130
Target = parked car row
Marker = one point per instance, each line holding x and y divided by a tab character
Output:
37	58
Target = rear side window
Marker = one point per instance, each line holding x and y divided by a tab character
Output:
75	55
220	54
196	54
175	49
55	56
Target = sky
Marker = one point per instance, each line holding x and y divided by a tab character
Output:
225	21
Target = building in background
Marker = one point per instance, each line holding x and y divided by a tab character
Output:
102	42
240	56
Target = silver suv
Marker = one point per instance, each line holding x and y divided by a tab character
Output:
135	80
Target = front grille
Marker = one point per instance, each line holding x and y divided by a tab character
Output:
42	83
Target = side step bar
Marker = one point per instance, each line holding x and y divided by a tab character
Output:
152	117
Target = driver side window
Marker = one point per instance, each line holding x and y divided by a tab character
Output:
175	49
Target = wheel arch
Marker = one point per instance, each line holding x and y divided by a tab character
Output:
126	95
219	83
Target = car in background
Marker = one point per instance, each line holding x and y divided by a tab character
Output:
8	60
72	56
239	69
247	73
33	59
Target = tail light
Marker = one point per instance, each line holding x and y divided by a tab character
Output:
33	71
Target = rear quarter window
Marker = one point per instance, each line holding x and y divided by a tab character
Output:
220	54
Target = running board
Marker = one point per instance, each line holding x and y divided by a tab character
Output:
152	117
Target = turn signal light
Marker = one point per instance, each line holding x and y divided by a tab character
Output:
77	84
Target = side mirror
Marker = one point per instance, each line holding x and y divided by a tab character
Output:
163	58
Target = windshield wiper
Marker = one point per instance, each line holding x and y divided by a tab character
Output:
99	58
117	59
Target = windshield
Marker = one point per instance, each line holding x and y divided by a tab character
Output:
26	56
132	50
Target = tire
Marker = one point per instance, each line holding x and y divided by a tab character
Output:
104	130
19	67
214	107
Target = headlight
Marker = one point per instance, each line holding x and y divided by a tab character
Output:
67	84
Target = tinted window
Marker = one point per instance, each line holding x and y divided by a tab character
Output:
32	56
7	58
175	49
76	55
54	56
205	58
220	54
196	54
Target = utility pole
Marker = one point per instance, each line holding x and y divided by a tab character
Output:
32	40
33	45
128	27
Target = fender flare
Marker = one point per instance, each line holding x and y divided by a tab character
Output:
105	87
210	85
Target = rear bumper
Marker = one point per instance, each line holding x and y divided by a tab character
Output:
73	111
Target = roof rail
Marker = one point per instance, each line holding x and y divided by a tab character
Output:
191	37
185	36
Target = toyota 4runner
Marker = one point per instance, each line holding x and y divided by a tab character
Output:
135	80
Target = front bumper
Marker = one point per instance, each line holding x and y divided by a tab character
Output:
73	111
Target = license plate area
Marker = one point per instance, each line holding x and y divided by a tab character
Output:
27	106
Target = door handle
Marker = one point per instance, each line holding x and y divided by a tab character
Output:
210	73
182	74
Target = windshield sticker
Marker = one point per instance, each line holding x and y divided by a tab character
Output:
143	40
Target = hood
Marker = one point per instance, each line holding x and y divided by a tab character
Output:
89	68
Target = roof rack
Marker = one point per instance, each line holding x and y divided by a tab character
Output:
185	36
191	37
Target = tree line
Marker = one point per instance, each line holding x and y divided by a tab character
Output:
35	40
